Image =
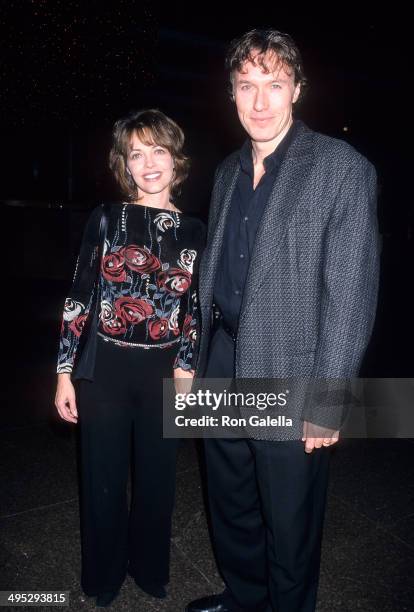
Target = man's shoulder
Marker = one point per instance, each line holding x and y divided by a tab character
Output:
331	149
326	150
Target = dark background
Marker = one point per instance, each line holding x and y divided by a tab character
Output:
70	69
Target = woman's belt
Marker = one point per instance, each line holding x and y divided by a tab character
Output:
138	345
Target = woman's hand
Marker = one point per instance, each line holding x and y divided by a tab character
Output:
65	400
183	380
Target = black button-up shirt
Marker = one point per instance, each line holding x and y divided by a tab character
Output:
243	219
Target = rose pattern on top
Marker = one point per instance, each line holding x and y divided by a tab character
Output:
187	324
116	326
72	309
187	258
142	289
158	328
140	259
173	321
64	368
77	325
133	310
107	311
113	267
126	311
112	323
165	221
174	280
189	328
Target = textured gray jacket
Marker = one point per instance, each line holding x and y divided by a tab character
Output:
310	297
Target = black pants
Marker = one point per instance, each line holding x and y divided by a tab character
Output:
120	412
267	502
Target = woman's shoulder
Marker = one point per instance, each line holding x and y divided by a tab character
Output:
110	209
102	208
95	215
93	219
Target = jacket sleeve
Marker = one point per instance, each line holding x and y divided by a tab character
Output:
79	300
350	288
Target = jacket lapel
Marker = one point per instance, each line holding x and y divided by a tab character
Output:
212	253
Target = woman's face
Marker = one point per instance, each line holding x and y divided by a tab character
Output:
151	167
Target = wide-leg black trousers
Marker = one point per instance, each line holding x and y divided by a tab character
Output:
120	415
267	502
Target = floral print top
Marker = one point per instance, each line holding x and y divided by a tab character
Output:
147	282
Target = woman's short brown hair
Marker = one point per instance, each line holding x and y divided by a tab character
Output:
152	127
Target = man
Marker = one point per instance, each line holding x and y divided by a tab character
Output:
291	264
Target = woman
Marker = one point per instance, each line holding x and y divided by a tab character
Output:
146	330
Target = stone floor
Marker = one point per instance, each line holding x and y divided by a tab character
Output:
368	546
368	549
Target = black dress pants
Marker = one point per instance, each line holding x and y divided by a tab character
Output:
120	415
267	503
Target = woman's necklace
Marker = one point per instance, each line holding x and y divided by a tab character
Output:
171	207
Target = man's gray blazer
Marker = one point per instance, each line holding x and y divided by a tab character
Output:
310	297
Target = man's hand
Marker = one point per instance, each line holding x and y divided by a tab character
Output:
316	436
183	380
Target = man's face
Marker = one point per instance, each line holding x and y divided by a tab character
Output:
264	100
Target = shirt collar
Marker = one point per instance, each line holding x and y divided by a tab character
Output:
273	160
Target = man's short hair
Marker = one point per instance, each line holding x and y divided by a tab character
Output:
255	44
